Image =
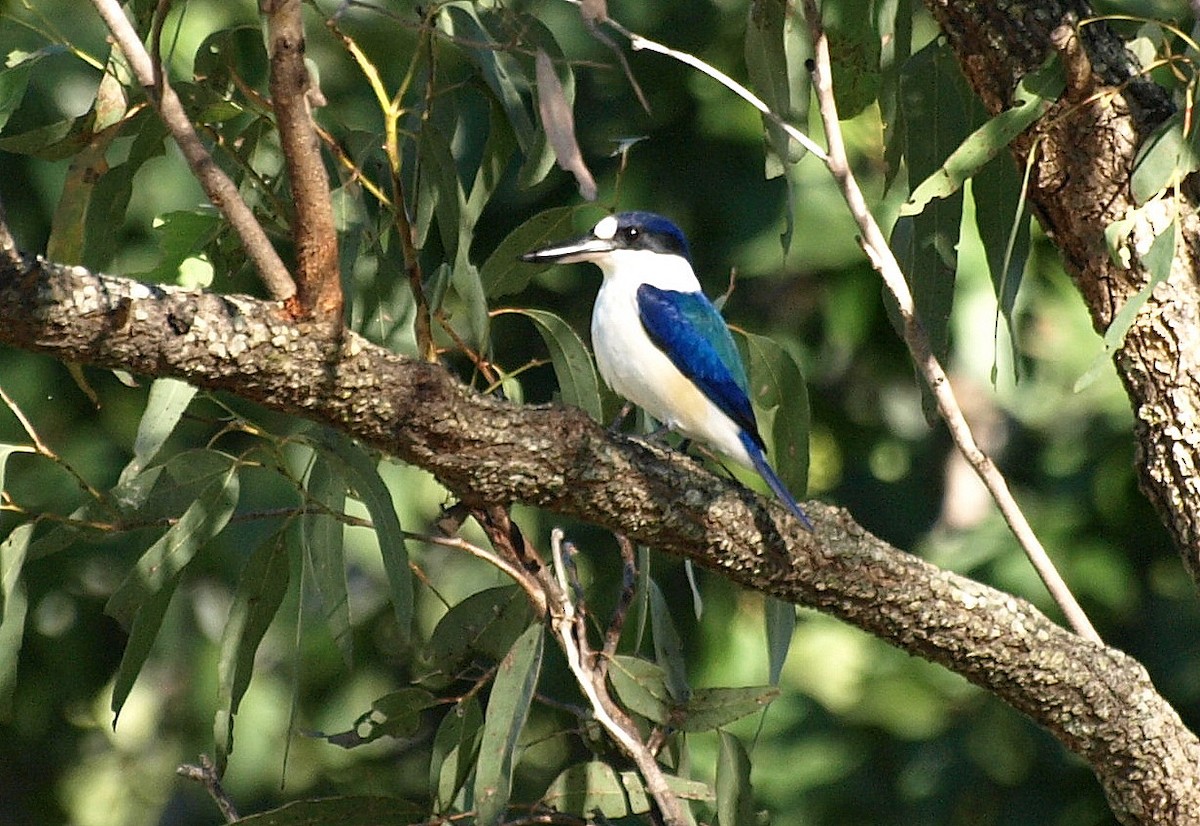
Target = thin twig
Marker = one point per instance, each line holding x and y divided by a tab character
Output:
221	191
876	247
206	774
570	627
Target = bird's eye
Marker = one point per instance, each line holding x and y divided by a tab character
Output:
630	233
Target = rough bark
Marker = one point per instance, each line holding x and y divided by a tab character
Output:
1097	701
1086	147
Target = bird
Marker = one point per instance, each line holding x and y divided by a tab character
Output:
661	344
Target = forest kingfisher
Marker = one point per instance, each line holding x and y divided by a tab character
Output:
661	344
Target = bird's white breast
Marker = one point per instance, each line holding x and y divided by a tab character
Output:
633	365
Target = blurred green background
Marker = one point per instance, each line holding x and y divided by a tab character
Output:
862	734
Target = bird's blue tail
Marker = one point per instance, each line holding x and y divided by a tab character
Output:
768	473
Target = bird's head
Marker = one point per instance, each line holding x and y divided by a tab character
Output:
616	238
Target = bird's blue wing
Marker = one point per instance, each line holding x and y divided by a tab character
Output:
692	333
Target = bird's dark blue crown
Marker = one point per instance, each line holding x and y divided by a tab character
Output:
650	231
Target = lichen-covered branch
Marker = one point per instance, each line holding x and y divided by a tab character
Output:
1097	701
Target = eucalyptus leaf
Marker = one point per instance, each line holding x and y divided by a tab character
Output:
455	749
573	367
322	538
13	608
261	588
735	797
507	709
503	272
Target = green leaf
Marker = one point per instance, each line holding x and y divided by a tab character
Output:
1157	261
343	811
143	627
180	235
772	71
206	515
261	589
14	79
711	708
1033	97
168	400
591	788
642	687
441	193
735	797
461	20
455	749
780	398
470	317
398	714
668	648
362	472
934	97
507	708
322	537
504	272
573	367
779	621
12	608
998	190
486	623
1164	158
854	49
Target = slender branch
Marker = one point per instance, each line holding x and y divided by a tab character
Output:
319	283
222	191
570	627
206	775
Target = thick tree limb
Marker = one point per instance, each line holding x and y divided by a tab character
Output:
1087	144
1097	701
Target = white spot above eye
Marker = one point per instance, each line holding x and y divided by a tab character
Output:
606	228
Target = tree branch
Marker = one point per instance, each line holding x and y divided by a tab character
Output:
318	275
1096	700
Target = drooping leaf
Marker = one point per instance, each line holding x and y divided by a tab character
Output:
14	78
642	687
167	401
735	797
854	48
344	811
12	608
484	624
779	395
397	715
774	63
455	748
504	272
462	20
181	235
144	624
1157	261
216	478
779	622
507	708
362	473
934	96
586	789
668	648
573	367
558	122
711	708
1166	157
322	537
260	591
